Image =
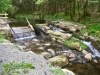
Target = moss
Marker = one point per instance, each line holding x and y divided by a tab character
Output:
74	40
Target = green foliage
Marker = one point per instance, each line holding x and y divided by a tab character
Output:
40	1
13	68
5	5
58	17
68	42
83	46
94	30
2	37
57	71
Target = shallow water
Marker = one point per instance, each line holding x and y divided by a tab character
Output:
85	69
88	68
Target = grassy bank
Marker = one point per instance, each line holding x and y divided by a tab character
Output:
3	37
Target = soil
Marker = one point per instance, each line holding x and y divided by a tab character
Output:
10	53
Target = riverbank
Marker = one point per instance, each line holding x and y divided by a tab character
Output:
10	53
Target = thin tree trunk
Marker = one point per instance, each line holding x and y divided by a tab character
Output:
78	11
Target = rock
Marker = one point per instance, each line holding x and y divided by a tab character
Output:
27	45
50	31
85	34
57	33
72	28
46	27
80	61
28	49
41	48
66	36
74	45
52	52
47	44
37	44
84	52
66	54
46	55
72	59
59	61
95	61
88	56
93	38
35	40
67	72
72	55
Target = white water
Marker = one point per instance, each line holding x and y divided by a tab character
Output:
55	28
96	53
24	36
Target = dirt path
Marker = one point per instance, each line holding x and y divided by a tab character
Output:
9	53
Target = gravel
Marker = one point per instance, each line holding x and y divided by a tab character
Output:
10	53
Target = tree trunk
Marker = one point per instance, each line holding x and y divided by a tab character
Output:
74	5
78	11
85	12
99	6
71	13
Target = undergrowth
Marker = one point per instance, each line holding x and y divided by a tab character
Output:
14	68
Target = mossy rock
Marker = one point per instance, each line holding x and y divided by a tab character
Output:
59	61
75	44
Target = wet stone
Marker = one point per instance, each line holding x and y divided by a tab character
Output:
46	55
72	55
80	61
84	52
41	48
66	54
51	51
37	44
95	61
47	44
35	40
72	59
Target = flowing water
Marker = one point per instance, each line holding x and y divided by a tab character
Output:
88	68
94	51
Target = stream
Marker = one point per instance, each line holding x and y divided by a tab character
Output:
84	68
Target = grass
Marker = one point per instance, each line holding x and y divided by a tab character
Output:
2	37
92	29
13	68
57	17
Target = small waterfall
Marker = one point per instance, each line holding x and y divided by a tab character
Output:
56	29
96	53
22	36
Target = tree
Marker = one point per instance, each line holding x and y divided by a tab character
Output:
5	5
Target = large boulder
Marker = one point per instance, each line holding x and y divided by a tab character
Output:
59	61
